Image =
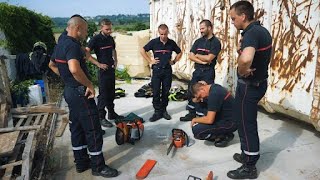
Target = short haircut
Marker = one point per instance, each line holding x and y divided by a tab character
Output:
78	15
195	88
244	7
207	23
76	21
105	21
163	26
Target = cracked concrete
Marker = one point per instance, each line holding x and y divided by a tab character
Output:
289	149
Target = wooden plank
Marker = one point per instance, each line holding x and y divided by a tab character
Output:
11	165
27	156
20	116
3	115
38	109
28	120
8	142
62	127
19	122
44	120
5	81
36	122
22	128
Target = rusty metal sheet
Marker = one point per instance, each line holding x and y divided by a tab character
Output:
294	69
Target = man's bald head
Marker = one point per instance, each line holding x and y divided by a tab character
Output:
74	21
77	28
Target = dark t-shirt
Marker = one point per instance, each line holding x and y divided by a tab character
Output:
103	46
259	38
69	48
220	101
206	46
162	51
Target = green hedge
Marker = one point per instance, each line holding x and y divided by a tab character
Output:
23	28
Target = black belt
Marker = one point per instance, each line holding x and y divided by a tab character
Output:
161	67
252	83
204	68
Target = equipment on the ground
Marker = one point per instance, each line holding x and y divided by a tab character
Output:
209	177
179	138
129	131
119	93
145	169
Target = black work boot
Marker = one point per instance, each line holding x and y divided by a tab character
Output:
244	172
166	115
113	115
224	141
156	116
239	158
188	117
105	123
84	167
105	171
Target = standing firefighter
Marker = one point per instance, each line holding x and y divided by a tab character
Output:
204	53
105	48
162	48
254	58
79	92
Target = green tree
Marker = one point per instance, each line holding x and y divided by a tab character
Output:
23	28
92	27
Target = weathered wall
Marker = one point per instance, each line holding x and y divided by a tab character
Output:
294	69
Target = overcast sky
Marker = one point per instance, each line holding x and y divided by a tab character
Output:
66	8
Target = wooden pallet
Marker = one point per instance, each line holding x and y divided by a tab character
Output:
28	127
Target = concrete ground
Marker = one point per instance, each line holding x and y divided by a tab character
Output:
289	149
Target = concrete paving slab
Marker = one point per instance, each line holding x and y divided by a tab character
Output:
289	149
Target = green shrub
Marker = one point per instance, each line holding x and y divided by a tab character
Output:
23	28
20	90
93	73
123	75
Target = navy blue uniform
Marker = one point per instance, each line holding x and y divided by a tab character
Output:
103	47
83	113
203	72
221	102
162	72
251	89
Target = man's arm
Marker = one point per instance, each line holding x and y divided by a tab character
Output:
115	57
146	56
176	59
80	76
206	58
245	61
208	119
93	60
54	67
193	58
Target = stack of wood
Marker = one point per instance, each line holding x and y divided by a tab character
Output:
18	143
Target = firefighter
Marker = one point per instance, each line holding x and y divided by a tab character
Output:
86	137
204	53
253	61
162	48
105	48
217	124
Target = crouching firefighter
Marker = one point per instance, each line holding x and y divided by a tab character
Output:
86	136
217	125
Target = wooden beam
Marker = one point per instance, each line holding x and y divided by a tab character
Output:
5	81
11	164
3	115
22	128
37	109
27	156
